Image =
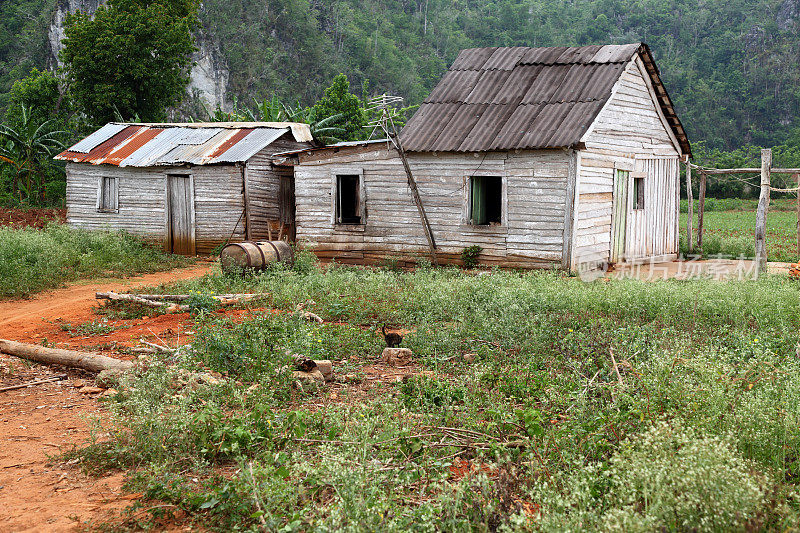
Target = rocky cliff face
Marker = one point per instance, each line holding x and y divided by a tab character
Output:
209	76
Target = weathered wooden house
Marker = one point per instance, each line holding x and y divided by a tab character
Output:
541	156
191	186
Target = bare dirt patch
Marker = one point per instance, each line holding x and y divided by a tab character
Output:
34	218
37	491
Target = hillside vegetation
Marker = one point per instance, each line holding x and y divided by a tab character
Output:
730	66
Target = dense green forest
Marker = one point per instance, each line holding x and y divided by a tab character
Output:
732	68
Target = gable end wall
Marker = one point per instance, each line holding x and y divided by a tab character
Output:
628	134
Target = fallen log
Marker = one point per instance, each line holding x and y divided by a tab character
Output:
113	296
243	297
56	356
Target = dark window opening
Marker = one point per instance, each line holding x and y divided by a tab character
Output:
348	199
638	193
486	196
108	195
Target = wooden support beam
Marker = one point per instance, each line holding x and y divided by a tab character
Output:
702	202
797	180
690	199
761	212
246	197
412	184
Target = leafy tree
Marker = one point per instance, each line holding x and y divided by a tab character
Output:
132	58
26	153
338	100
40	93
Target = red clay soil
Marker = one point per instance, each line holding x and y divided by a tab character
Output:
38	493
34	217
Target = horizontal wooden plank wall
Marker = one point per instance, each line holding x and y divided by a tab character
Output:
142	195
534	202
263	183
218	205
218	201
626	130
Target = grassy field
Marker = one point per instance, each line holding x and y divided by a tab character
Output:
731	233
513	416
33	260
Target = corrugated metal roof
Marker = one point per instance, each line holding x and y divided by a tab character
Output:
98	137
146	145
517	98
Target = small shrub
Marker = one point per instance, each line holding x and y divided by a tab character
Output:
469	256
672	478
305	261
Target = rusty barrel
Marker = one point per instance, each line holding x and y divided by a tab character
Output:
250	255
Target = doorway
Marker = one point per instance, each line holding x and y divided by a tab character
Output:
180	215
619	220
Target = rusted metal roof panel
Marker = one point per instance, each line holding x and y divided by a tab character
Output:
247	147
145	145
123	150
101	150
525	98
97	138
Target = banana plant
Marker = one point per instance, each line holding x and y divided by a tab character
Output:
27	147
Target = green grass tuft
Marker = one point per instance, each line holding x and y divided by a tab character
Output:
34	260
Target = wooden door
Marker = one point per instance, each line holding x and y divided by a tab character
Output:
286	204
180	220
619	221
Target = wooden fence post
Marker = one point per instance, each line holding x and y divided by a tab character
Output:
702	201
761	213
797	180
690	200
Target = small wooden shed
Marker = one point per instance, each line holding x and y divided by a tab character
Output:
191	186
543	157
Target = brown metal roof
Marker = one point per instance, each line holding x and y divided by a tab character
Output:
518	98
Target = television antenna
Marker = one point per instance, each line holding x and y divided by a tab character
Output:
386	106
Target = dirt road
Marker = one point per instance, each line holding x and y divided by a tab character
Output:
38	492
19	319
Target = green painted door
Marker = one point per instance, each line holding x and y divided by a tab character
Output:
620	216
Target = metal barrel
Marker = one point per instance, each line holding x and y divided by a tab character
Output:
250	255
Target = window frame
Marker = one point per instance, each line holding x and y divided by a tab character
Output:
362	198
468	217
638	192
101	195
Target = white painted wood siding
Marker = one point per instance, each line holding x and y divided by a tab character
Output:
534	196
627	131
